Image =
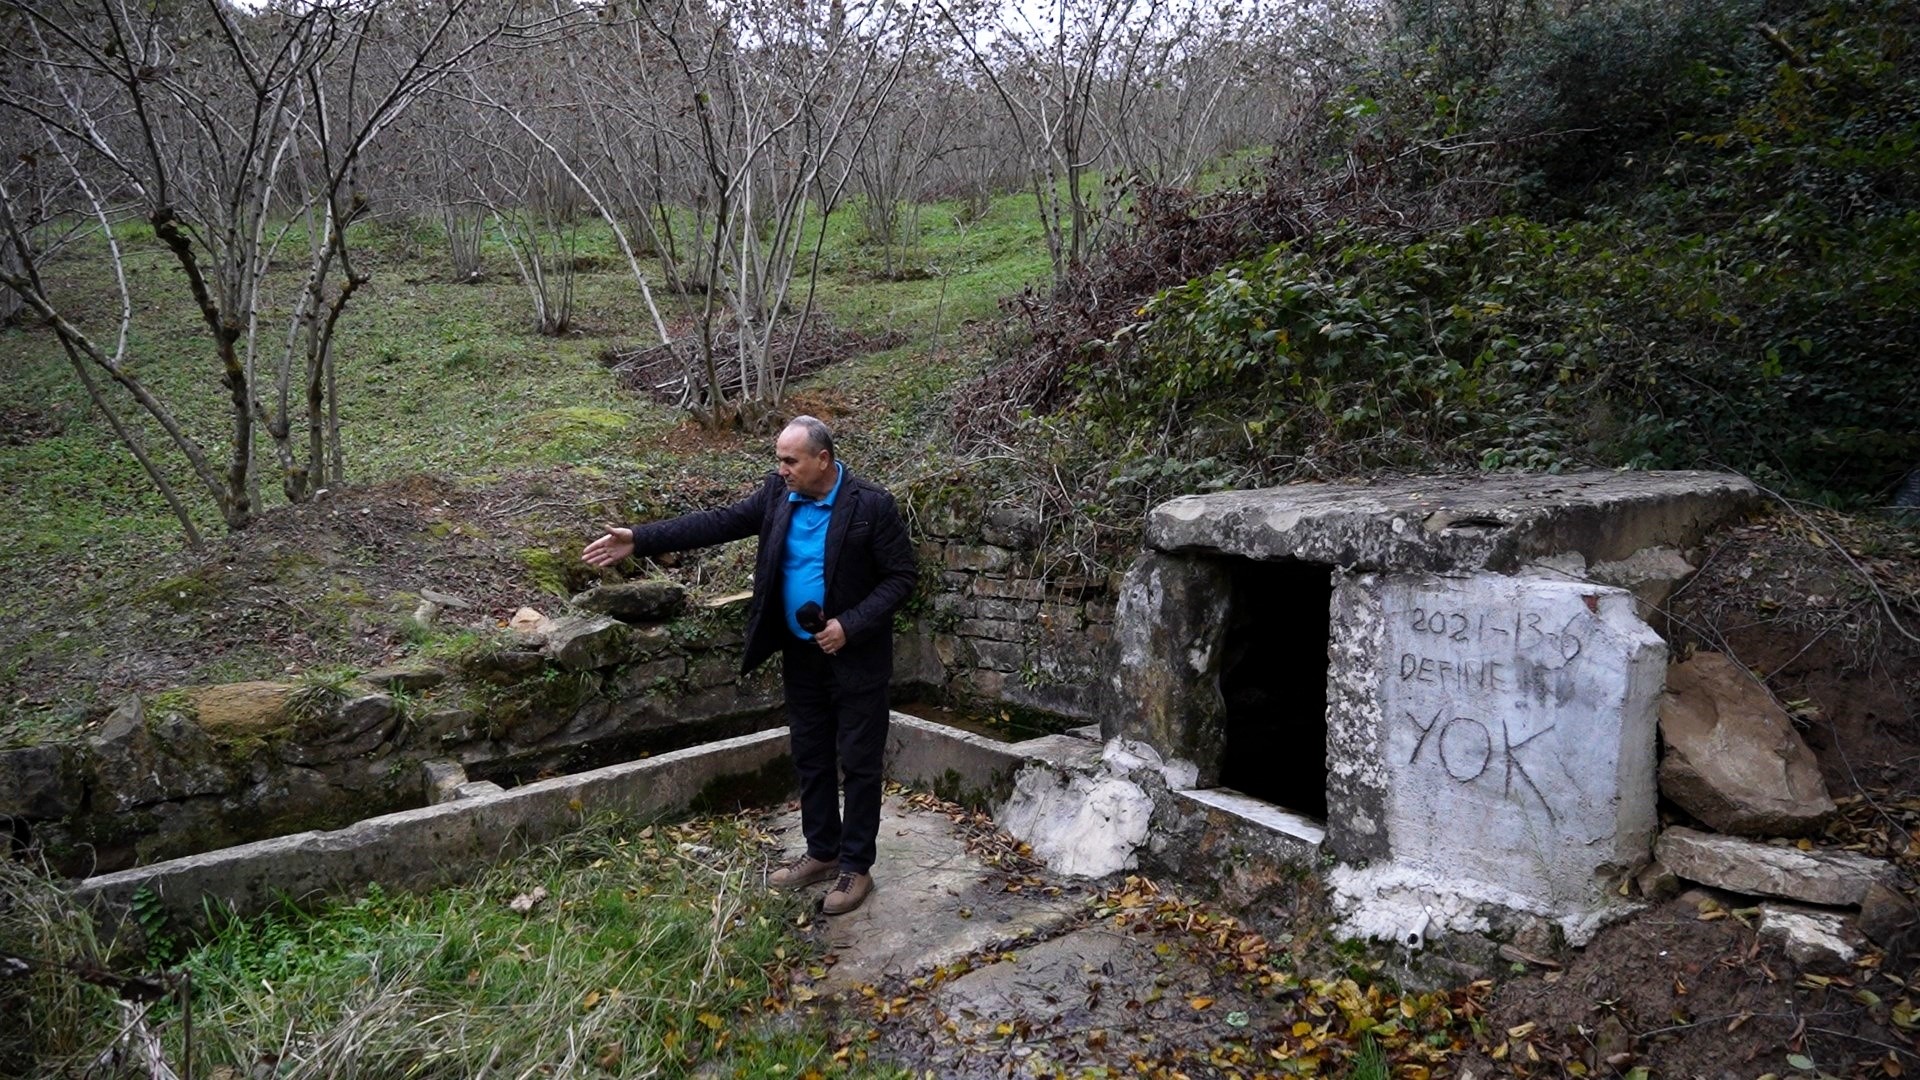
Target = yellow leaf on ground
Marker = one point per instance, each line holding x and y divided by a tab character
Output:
1200	1002
713	1022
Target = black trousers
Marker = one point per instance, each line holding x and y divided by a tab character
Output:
837	731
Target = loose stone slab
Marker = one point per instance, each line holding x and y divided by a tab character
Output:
1454	524
585	642
1815	939
1491	741
1834	878
923	880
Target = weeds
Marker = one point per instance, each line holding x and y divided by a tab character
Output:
319	692
641	951
53	1019
618	950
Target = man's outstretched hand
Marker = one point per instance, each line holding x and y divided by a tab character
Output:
611	548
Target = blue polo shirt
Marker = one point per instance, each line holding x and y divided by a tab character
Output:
804	563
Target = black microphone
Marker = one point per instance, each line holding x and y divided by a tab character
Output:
810	617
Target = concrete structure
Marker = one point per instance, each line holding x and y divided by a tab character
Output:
1455	676
446	842
1498	748
477	823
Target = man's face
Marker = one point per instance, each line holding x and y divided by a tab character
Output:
809	472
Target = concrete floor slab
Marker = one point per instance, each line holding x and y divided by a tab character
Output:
932	903
1095	977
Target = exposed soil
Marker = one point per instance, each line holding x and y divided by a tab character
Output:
1827	609
1688	996
334	581
20	426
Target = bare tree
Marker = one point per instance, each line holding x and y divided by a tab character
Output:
225	128
919	127
783	95
51	215
1047	79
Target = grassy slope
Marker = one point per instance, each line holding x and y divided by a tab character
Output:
440	377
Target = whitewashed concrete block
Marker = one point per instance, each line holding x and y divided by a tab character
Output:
1507	744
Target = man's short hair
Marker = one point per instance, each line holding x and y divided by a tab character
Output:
819	435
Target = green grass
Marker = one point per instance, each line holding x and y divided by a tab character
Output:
434	376
444	378
651	951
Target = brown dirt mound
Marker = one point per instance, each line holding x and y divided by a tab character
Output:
1826	608
328	582
661	371
1684	995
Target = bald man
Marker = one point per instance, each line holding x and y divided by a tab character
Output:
834	565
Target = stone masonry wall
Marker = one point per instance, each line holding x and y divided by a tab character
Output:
197	768
1002	625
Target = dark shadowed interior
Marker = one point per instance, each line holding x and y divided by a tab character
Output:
1274	679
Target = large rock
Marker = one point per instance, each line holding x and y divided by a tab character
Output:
238	712
1834	878
1733	759
359	726
582	643
442	780
504	667
408	678
140	763
1080	823
1169	633
39	782
635	601
1889	919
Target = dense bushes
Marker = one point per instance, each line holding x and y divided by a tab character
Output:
1641	234
1510	342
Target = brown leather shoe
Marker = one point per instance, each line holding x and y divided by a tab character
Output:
802	872
849	891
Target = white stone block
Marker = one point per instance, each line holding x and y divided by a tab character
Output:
1078	824
1515	745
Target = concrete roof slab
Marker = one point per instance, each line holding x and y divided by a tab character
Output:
1454	523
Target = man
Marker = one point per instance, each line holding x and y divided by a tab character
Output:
834	565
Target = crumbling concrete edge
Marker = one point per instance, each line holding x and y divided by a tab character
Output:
437	845
956	765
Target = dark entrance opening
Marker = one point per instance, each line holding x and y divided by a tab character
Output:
1274	680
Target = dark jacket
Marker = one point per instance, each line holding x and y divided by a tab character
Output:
869	568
